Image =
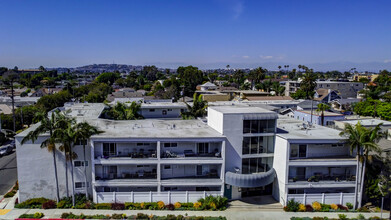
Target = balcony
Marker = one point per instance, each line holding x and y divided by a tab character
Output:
127	175
190	154
323	178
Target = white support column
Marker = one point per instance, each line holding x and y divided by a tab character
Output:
222	173
304	199
204	194
158	168
92	163
169	197
323	198
132	196
341	199
187	196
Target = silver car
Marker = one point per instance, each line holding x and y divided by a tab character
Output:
5	150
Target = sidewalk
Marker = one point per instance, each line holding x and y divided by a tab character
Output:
230	214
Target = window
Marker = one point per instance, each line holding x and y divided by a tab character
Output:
203	148
78	163
152	110
143	144
258	145
81	142
170	109
109	149
80	185
298	151
199	170
256	165
167	167
258	126
164	112
170	144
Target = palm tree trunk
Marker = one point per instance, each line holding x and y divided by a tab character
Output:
66	174
357	177
55	175
85	169
322	118
362	182
73	180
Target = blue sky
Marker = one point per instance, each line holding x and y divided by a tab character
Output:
325	34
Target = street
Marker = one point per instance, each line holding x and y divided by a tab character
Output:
8	172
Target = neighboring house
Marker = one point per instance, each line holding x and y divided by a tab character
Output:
162	109
207	86
124	93
45	91
329	117
326	95
365	122
344	104
234	152
344	89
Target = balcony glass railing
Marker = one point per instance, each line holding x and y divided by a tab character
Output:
189	153
125	175
135	154
322	178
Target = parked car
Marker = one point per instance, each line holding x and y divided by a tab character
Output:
13	145
5	150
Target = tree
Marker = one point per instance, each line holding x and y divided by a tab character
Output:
198	109
308	84
212	77
361	141
123	112
190	77
108	77
238	77
47	125
83	133
278	88
322	107
42	69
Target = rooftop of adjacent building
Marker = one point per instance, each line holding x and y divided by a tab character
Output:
368	122
289	128
315	113
241	110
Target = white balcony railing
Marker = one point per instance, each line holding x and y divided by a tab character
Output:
326	198
166	197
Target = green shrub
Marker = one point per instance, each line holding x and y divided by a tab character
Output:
342	216
10	194
292	206
103	206
360	216
50	204
349	205
35	215
142	216
32	203
211	202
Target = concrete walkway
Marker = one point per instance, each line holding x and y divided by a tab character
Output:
230	214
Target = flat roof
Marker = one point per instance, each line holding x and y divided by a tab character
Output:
368	122
240	109
289	128
314	112
85	110
163	105
154	128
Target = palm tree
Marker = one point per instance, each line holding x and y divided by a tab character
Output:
308	84
47	125
66	136
362	141
278	89
83	132
123	112
322	107
198	109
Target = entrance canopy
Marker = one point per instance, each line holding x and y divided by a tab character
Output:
250	180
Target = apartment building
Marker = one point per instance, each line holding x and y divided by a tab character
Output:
315	164
237	151
344	89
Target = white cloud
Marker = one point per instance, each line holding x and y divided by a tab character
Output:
237	8
245	57
266	57
387	61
